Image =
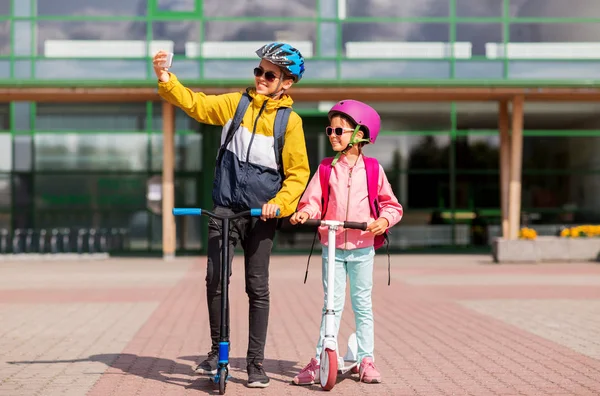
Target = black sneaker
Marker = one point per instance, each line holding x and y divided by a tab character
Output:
208	365
257	378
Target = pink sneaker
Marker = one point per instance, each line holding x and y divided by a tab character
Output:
309	374
368	372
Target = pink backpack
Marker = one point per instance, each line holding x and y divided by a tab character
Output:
372	167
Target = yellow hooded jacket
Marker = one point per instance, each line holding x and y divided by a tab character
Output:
248	176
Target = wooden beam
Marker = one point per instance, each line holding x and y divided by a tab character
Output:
168	189
503	127
516	162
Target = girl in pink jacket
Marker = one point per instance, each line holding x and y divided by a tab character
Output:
352	124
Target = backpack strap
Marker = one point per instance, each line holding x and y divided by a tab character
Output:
324	175
372	168
235	123
279	128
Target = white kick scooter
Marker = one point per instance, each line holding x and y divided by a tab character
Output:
331	362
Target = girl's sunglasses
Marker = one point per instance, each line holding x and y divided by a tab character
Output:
338	131
269	76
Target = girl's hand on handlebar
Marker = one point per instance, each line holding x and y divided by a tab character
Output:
379	226
299	217
269	211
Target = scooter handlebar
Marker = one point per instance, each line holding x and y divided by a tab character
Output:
187	211
355	225
346	224
257	212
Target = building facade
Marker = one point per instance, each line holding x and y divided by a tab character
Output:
88	165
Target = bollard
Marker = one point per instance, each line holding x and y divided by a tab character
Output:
66	240
92	241
17	242
4	241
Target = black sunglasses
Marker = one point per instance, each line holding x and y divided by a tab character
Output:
338	131
269	76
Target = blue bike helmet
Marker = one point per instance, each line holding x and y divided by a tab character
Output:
284	56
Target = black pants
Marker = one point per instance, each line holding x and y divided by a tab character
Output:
256	238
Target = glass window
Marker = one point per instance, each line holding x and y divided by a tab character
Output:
470	70
568	70
478	34
260	32
359	70
22	69
5	37
554	32
402	152
400	31
93	33
22	150
575	153
243	8
91	7
22	116
181	33
222	70
91	69
5	192
328	8
183	122
556	9
477	152
5	152
22	8
188	152
23	38
5	7
90	191
87	151
4	117
479	8
477	191
398	8
90	117
562	197
176	5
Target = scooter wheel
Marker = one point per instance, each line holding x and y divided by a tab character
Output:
222	380
329	368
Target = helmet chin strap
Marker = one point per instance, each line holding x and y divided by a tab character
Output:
353	141
278	91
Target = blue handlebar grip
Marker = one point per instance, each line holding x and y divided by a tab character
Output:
187	211
256	212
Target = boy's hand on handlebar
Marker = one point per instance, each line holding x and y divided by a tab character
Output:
299	217
269	211
379	226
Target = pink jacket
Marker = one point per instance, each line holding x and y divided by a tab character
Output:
348	201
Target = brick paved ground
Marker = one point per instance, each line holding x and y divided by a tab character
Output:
447	325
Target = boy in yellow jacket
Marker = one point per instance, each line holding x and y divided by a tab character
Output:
248	176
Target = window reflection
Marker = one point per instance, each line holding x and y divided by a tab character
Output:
5	37
578	153
4	7
188	152
357	70
4	114
398	8
5	192
96	151
555	9
477	152
90	117
401	31
244	8
259	31
179	32
479	8
5	152
92	8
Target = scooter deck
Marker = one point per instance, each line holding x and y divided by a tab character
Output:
348	365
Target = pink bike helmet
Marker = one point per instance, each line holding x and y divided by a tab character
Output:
362	114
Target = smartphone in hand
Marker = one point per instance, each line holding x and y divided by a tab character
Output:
168	62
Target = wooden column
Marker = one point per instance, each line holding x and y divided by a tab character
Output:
503	127
168	190
516	163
